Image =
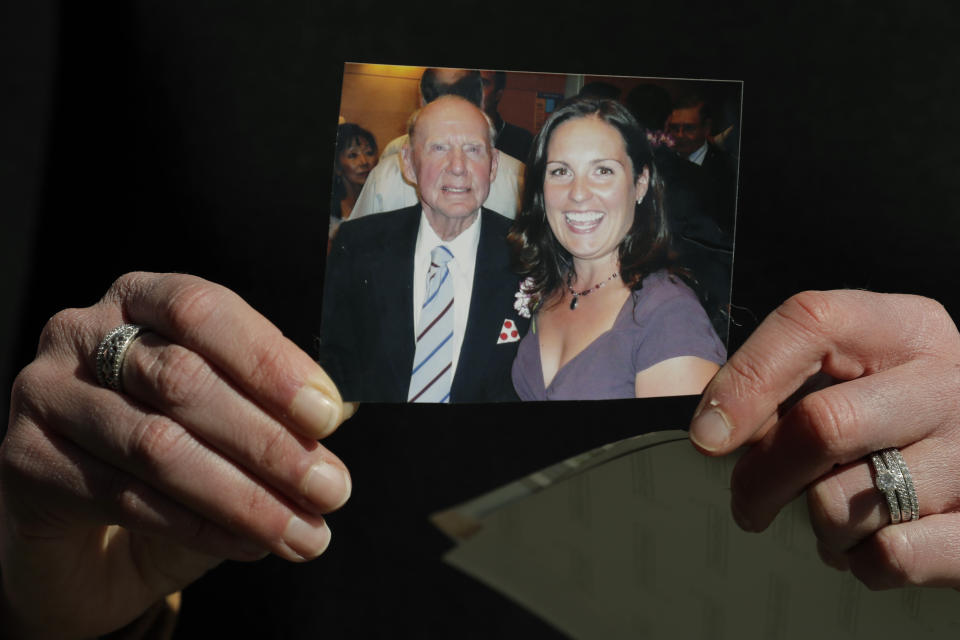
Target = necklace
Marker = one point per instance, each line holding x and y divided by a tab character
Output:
587	291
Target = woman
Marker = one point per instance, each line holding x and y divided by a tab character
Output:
611	319
355	157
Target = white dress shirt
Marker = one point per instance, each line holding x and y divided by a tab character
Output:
697	156
461	266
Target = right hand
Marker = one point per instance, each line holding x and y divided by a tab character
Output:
109	501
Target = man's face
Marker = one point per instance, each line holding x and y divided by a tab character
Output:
491	96
689	130
450	160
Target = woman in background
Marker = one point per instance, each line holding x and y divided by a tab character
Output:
356	155
611	318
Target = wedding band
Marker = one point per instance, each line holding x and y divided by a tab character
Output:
899	485
112	351
893	480
908	483
885	482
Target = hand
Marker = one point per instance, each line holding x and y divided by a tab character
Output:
110	500
880	371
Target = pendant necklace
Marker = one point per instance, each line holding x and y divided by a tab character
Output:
585	292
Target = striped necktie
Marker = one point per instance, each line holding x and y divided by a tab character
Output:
433	361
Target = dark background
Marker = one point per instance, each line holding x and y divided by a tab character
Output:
198	137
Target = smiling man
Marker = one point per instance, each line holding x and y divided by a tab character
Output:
418	305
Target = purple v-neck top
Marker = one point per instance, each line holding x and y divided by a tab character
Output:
663	320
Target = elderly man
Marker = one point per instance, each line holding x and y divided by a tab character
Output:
418	304
388	189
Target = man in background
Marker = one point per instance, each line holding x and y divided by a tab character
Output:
511	139
691	126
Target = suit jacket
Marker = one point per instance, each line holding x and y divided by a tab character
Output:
514	141
367	335
720	171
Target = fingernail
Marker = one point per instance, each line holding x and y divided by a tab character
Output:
327	485
350	408
316	410
710	430
306	540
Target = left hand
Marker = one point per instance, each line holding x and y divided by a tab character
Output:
891	364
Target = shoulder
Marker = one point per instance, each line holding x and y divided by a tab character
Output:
509	165
516	130
669	321
387	168
718	158
385	223
495	223
663	292
394	146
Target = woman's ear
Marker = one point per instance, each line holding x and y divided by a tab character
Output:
643	184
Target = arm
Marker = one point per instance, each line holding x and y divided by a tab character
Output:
109	501
684	375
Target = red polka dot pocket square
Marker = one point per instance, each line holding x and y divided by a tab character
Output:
508	332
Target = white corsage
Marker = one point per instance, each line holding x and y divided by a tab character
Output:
522	302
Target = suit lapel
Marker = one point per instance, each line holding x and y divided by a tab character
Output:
484	320
391	275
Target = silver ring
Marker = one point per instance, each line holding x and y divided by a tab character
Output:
886	483
911	490
893	480
899	485
112	351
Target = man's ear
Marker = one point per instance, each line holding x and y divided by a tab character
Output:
494	163
406	163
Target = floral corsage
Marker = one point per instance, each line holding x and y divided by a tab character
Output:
523	298
660	139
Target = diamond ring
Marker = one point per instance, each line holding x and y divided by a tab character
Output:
893	480
112	351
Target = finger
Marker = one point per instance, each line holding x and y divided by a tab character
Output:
164	455
213	321
63	485
847	508
835	426
184	386
844	334
924	552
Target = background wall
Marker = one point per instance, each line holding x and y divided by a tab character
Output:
381	97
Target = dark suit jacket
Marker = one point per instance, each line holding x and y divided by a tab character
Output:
720	173
367	334
514	141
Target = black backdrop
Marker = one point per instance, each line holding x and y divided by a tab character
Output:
198	137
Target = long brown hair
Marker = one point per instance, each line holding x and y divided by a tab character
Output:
536	253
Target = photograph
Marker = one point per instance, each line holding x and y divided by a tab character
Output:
584	226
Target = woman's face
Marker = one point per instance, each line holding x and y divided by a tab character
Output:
356	161
589	189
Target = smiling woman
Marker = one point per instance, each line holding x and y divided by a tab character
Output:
613	319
